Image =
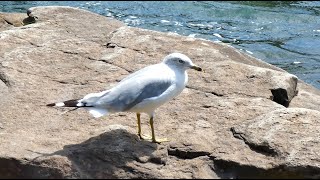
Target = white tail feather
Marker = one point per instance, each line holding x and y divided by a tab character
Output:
97	112
60	104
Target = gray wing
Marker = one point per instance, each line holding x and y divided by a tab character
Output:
148	91
132	91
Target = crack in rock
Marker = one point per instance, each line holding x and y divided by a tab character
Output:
234	170
66	52
186	153
102	60
259	148
114	45
4	79
210	92
31	43
207	106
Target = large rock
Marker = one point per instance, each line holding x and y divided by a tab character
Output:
286	135
240	118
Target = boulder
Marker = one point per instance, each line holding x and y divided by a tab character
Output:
240	118
286	135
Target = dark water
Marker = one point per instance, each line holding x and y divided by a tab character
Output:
282	33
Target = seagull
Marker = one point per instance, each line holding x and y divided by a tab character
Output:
141	92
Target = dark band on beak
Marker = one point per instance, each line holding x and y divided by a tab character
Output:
196	68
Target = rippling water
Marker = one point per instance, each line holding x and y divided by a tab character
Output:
282	33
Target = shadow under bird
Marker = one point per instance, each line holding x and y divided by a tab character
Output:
141	92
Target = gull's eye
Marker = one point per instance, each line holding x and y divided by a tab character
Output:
180	61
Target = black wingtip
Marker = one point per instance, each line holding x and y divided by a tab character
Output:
51	104
69	103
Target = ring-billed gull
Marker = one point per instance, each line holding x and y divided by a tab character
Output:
141	92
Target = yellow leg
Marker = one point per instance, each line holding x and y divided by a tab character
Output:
153	135
141	136
139	124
